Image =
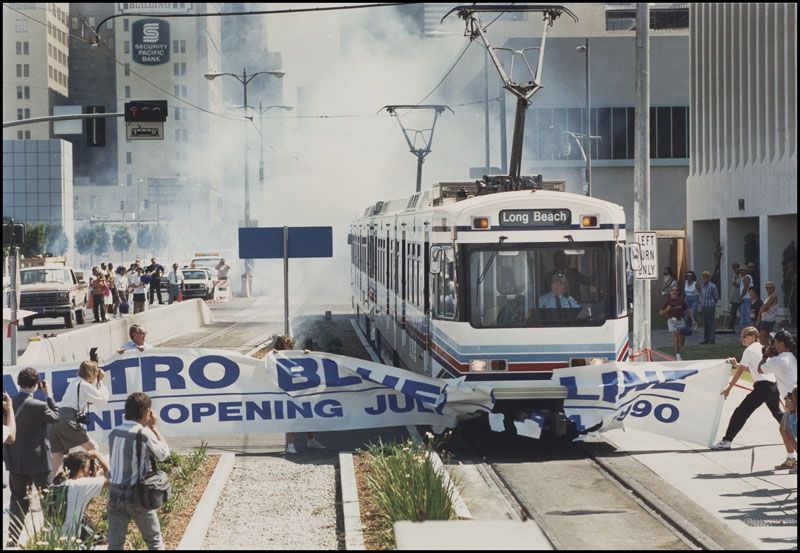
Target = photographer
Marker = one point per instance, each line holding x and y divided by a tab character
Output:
82	391
764	390
83	484
28	458
780	358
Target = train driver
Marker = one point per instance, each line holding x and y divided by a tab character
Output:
557	297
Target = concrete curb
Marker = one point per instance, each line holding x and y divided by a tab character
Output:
351	510
195	533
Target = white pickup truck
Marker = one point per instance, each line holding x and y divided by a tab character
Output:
52	291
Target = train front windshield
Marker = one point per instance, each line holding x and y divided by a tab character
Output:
542	285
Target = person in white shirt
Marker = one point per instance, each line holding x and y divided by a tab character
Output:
121	283
82	391
9	431
83	484
175	277
137	334
138	287
782	362
764	390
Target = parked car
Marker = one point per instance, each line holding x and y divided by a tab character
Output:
198	283
52	291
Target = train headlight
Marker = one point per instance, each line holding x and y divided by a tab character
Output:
588	221
478	365
480	223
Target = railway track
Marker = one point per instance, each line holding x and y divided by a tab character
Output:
586	496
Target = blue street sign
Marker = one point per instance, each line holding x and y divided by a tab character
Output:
267	242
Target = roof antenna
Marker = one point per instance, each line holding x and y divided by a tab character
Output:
418	133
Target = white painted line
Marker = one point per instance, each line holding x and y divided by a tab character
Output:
351	511
195	533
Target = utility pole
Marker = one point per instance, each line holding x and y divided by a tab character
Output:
641	182
587	139
486	107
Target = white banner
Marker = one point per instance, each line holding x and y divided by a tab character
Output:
203	392
678	399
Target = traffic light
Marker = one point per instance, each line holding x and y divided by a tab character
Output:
149	111
96	128
13	234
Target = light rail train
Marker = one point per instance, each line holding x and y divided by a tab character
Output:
500	287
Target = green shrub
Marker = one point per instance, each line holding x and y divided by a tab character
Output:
404	485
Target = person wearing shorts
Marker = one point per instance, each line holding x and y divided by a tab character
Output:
675	308
82	391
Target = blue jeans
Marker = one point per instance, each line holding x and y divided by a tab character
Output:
120	509
744	312
709	320
174	289
692	302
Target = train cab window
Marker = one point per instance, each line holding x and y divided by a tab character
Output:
444	283
541	285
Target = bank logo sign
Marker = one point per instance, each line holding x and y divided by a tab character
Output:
150	41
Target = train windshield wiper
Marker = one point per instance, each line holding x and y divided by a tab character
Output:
489	262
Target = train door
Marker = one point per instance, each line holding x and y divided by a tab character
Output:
426	278
403	289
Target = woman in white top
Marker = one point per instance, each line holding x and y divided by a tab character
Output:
690	292
768	313
82	391
784	367
764	389
139	292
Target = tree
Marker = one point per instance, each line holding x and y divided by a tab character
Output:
35	240
144	238
57	241
101	240
159	241
84	242
122	240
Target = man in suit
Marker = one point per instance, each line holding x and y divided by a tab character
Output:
155	270
28	458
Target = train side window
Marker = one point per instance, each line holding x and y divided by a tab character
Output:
444	283
621	280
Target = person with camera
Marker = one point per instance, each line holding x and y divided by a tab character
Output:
83	484
84	390
128	467
28	457
780	359
764	390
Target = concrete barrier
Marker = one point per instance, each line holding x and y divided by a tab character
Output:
161	324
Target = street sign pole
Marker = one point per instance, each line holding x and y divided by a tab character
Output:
286	280
14	306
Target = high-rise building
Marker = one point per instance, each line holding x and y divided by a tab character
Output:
35	64
742	185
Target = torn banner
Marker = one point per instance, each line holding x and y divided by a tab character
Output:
677	399
204	392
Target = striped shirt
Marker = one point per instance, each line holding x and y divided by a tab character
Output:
122	447
708	295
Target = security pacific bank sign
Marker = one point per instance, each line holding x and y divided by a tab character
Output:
150	41
202	392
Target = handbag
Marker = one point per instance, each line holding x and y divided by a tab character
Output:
152	491
81	417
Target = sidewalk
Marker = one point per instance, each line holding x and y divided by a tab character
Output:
737	486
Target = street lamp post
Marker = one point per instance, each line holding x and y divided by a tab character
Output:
245	79
587	145
261	112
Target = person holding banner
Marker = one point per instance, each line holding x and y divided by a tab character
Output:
780	358
764	390
137	334
70	431
287	343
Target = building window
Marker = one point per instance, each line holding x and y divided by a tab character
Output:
127	69
176	69
73	22
128	158
615	126
49	71
177	91
27	113
19	135
126	47
125	24
19	113
127	91
26	70
622	17
183	68
27	135
183	46
21	25
19	93
129	180
19	48
26	92
19	70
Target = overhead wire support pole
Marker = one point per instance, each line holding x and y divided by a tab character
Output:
523	92
419	152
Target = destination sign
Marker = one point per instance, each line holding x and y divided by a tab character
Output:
549	218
